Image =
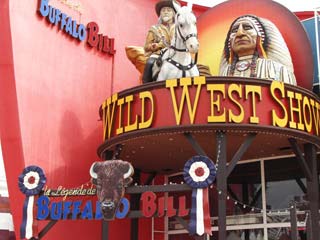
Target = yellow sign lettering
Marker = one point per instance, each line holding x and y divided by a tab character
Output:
276	120
185	83
254	91
130	126
235	88
216	103
146	123
298	97
107	116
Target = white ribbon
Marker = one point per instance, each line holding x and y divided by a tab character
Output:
200	221
29	231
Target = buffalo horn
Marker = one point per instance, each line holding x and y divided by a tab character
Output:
92	172
129	172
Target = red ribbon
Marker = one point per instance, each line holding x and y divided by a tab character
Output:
35	229
206	212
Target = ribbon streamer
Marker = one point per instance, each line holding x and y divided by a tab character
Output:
200	210
26	229
206	211
193	214
199	173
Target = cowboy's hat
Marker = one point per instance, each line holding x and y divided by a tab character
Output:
165	3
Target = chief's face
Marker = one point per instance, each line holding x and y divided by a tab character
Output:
167	14
243	38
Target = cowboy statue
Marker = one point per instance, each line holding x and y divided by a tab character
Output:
159	36
254	47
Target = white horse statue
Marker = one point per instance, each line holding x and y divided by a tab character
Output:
176	60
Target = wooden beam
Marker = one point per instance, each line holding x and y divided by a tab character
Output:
242	149
301	185
46	229
182	222
256	196
150	178
300	158
195	144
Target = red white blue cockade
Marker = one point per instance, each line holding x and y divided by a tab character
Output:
31	182
199	173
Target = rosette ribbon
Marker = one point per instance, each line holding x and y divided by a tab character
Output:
31	182
199	174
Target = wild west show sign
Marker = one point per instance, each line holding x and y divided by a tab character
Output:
215	100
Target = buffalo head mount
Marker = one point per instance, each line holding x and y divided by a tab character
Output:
111	177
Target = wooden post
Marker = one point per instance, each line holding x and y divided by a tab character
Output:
313	189
308	227
293	221
222	182
245	199
135	205
105	230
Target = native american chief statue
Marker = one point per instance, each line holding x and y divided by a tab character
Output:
254	47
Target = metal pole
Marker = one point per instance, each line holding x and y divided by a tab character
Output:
166	219
293	221
313	189
135	205
264	202
105	230
222	183
308	227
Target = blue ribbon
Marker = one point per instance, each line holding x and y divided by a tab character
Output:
24	219
193	214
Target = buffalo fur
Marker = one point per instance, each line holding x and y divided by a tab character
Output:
109	178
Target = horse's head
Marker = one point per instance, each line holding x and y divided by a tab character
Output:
186	27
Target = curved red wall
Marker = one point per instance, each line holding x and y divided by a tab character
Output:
51	89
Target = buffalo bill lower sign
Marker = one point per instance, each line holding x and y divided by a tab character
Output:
162	206
74	210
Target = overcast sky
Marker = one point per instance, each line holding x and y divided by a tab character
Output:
292	5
